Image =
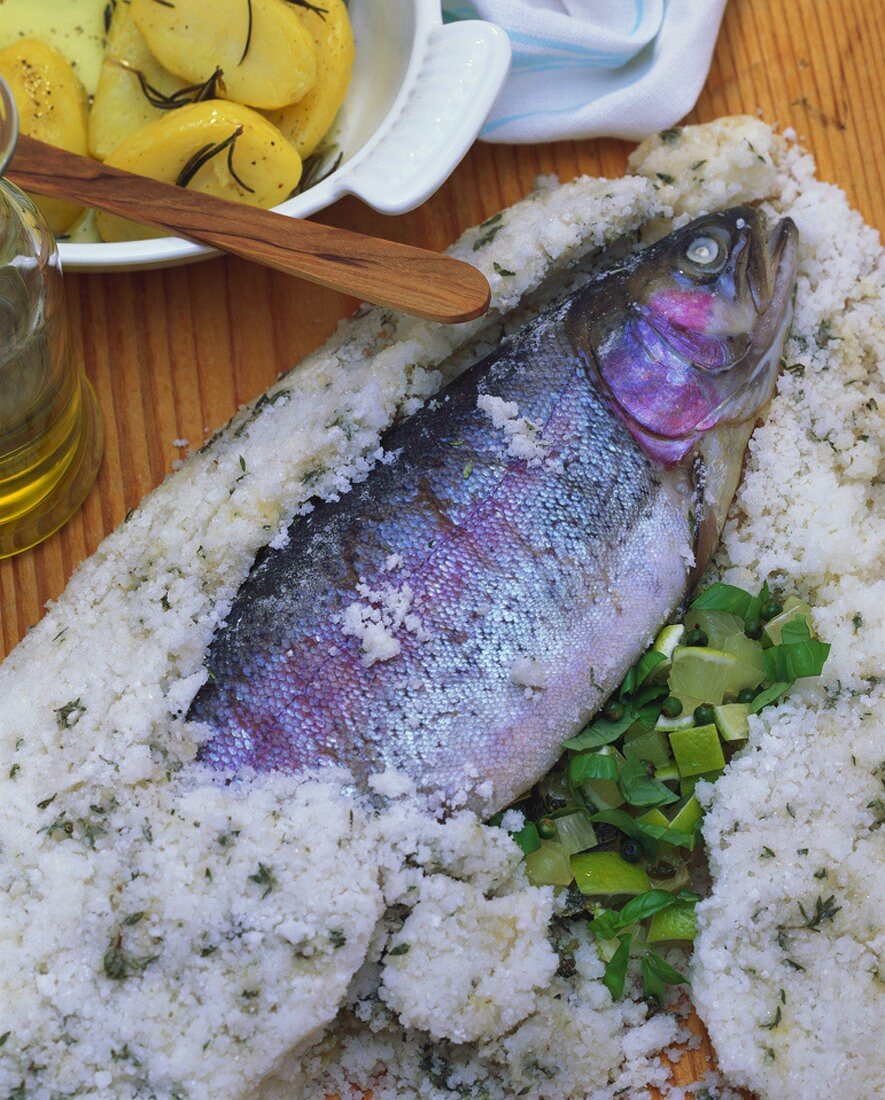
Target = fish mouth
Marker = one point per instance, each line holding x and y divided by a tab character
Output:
766	273
769	269
770	275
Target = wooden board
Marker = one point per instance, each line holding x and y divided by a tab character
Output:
172	354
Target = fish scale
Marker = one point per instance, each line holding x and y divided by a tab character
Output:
513	592
506	562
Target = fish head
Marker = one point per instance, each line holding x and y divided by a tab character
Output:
702	318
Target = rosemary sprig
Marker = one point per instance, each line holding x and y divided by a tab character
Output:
315	8
109	9
248	32
315	169
193	93
823	910
204	154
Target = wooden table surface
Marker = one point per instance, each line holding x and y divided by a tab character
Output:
172	354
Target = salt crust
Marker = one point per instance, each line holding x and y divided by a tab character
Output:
809	786
253	957
259	903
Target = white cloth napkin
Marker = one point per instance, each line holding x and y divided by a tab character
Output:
594	68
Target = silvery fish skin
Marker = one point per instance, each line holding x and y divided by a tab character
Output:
509	591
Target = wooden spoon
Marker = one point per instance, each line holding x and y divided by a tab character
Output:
414	280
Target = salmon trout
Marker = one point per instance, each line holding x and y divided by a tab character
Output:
470	605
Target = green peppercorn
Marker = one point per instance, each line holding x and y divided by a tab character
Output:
671	707
613	711
696	637
747	695
631	850
704	715
546	828
771	608
753	629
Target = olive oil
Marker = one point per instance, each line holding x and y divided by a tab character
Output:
50	427
75	28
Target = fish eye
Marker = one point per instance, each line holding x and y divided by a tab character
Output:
703	251
706	253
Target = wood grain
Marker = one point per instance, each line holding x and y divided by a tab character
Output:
172	354
385	273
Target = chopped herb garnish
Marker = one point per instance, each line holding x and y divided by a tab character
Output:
647	833
67	716
120	965
528	838
665	177
670	135
502	270
619	811
264	877
640	672
400	949
640	789
656	973
823	911
615	975
492	227
591	765
608	923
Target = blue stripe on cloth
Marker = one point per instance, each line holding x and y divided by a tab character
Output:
559	45
490	127
548	65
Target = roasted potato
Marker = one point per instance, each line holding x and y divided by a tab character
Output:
216	147
51	106
122	103
307	122
267	57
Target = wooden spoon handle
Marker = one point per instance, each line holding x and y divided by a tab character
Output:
427	284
